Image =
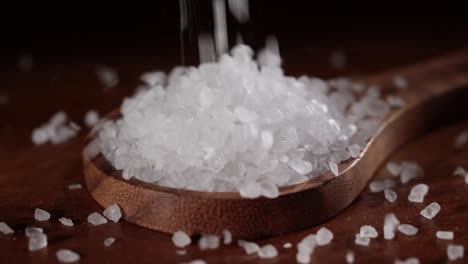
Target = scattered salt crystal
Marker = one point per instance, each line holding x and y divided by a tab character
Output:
55	130
197	261
410	171
407	229
181	252
333	168
431	210
107	76
37	241
323	236
354	150
239	9
41	215
395	102
109	241
300	166
66	221
461	139
368	231
460	171
390	195
91	118
376	186
75	186
400	82
244	115
113	213
267	251
412	260
181	239
220	26
303	257
249	247
208	242
287	245
5	229
362	241
31	231
305	248
455	252
394	168
67	256
338	59
391	224
227	237
418	192
96	219
349	257
448	235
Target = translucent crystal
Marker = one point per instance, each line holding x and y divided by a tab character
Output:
37	241
461	139
109	241
333	168
323	236
418	192
181	239
448	235
391	224
31	231
67	256
431	210
368	231
227	237
287	245
249	247
390	195
41	215
455	252
407	229
349	257
354	150
75	186
66	221
400	82
113	213
208	242
394	168
96	219
410	171
300	166
267	251
362	241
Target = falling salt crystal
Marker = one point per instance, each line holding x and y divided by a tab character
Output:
250	190
418	192
239	9
354	150
323	236
267	251
300	166
407	229
181	239
208	242
32	231
448	235
455	252
113	213
368	231
287	245
395	102
338	59
154	78
249	247
109	241
107	76
41	215
461	139
5	229
91	118
349	257
400	82
394	168
362	241
412	260
227	237
390	195
391	224
96	219
66	221
37	241
67	256
333	168
431	210
220	26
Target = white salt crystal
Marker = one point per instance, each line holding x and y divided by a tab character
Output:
412	260
96	219
349	257
455	252
333	168
250	190
75	186
208	242
338	59
460	171
181	252
431	210
303	257
400	82
461	139
5	229
354	150
267	251
407	229
66	221
227	237
37	242
267	139
376	186
249	247
448	235
410	171
390	195
107	76
323	236
362	241
181	239
41	215
394	168
300	166
91	118
391	224
67	256
239	9
113	213
395	102
31	231
418	192
206	48
287	245
154	78
368	231
109	241
220	26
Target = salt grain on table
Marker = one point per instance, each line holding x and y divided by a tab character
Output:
41	215
5	229
390	195
418	192
412	260
368	231
109	241
227	237
447	235
394	168
362	241
208	242
391	224
113	213
31	231
461	139
67	256
287	245
249	247
455	252
96	219
181	252
349	257
66	221
431	210
407	229
267	251
75	186
323	236
181	239
37	241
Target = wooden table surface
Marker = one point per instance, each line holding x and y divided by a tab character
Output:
38	176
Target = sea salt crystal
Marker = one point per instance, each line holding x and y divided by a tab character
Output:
376	186
412	260
91	118
300	166
303	257
113	213
395	101
448	235
410	171
181	252
109	241
390	195
208	242
267	251
31	231
249	247
287	245
407	229
368	231
96	219
5	229
305	248
400	82
67	256
394	168
333	168
267	139
460	171
354	150
75	186
362	241
455	252
431	210
181	239
349	257
391	224
154	78
66	221
324	236
227	237
418	192
41	215
37	242
461	139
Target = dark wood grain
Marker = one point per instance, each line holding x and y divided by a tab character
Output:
33	176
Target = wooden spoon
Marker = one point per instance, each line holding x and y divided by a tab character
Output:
436	97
